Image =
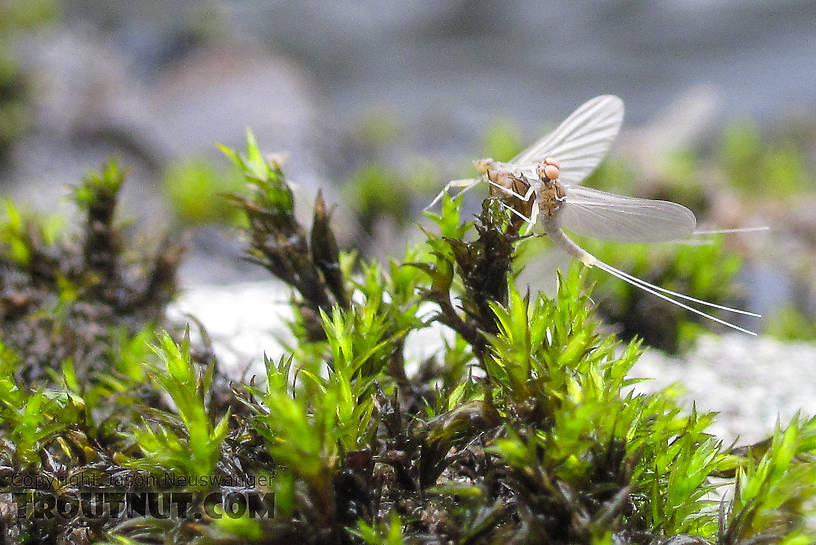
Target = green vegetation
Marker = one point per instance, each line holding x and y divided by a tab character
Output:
377	193
195	190
792	324
523	428
64	292
760	168
16	16
502	141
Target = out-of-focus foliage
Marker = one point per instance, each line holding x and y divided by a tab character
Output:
379	194
17	16
502	141
377	129
20	15
376	194
196	192
614	175
61	290
791	324
761	168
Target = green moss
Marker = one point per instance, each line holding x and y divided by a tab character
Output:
61	289
791	324
17	16
502	141
760	168
196	189
195	450
378	193
523	428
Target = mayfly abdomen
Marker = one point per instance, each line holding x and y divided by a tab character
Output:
553	230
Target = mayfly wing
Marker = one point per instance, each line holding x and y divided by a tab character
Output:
580	143
606	216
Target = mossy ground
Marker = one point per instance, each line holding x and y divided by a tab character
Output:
520	431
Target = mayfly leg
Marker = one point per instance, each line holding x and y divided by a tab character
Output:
468	184
524	198
509	191
517	213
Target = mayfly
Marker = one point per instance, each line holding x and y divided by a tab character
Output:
541	184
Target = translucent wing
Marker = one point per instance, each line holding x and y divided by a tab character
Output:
580	142
606	216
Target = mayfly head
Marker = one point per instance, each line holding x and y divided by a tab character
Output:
548	170
484	166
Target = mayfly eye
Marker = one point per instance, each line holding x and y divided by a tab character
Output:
551	172
547	170
551	161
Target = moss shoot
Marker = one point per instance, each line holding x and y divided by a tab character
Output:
523	428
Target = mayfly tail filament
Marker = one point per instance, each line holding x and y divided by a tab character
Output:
658	292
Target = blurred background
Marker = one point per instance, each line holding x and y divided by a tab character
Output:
380	103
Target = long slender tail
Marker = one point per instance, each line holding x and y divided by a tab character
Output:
657	291
683	296
698	238
568	245
737	230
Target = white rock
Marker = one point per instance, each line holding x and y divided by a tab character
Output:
751	382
